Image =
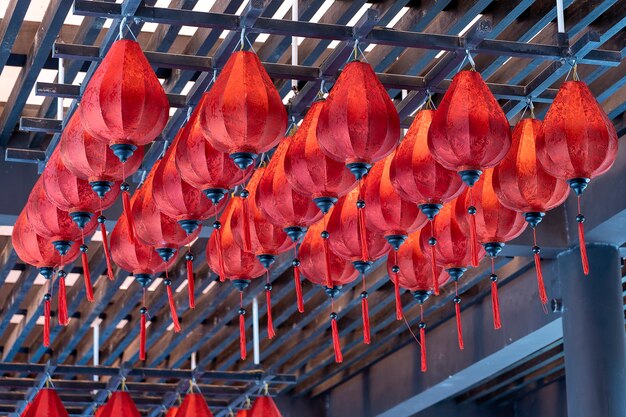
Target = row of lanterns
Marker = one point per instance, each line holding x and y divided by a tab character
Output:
341	192
48	403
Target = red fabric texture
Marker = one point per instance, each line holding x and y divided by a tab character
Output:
133	255
120	404
264	406
194	405
46	403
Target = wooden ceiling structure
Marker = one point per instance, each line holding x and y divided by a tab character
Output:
516	48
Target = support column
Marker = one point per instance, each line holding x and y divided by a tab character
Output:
593	333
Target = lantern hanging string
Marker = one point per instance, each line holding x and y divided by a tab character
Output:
468	57
495	302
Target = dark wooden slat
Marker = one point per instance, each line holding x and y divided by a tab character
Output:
10	26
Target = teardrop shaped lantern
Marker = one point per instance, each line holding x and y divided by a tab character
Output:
358	125
203	166
119	404
410	268
453	252
495	225
323	267
46	403
243	114
144	263
124	104
265	406
579	143
309	170
522	184
226	258
194	405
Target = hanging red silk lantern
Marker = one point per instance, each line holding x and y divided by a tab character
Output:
522	184
266	239
243	114
345	234
309	170
203	166
120	403
46	403
124	104
453	252
225	257
495	225
243	413
194	405
410	268
579	143
419	178
469	133
265	406
144	263
280	203
358	124
37	251
322	266
171	412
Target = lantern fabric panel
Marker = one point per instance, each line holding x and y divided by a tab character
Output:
133	255
194	405
415	266
265	406
119	404
46	403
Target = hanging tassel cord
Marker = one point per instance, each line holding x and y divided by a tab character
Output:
125	187
268	300
543	296
142	330
362	230
191	284
471	210
432	242
46	315
335	333
422	327
171	302
217	225
396	283
242	328
297	281
245	213
495	303
325	235
457	309
63	316
365	315
581	240
105	243
86	274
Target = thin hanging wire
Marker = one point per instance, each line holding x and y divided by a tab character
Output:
467	57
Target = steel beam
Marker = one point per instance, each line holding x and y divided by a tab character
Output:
10	26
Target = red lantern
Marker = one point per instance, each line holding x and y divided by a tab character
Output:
579	142
120	404
171	412
204	167
124	104
225	257
243	114
280	203
453	252
358	124
46	403
309	170
495	225
265	407
322	266
522	184
411	269
243	413
194	405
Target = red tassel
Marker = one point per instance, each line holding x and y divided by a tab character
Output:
396	285
170	298
142	337
128	214
366	320
191	285
543	296
495	305
46	322
583	248
336	342
270	324
245	210
220	255
298	285
63	317
424	366
242	337
459	325
107	253
87	277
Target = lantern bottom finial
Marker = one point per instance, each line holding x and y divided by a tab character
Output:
325	203
266	260
359	169
189	226
243	159
396	240
493	248
456	273
46	272
362	266
470	176
215	194
421	296
332	292
81	218
166	253
143	279
62	246
295	232
123	151
101	187
578	185
430	210
533	218
241	284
